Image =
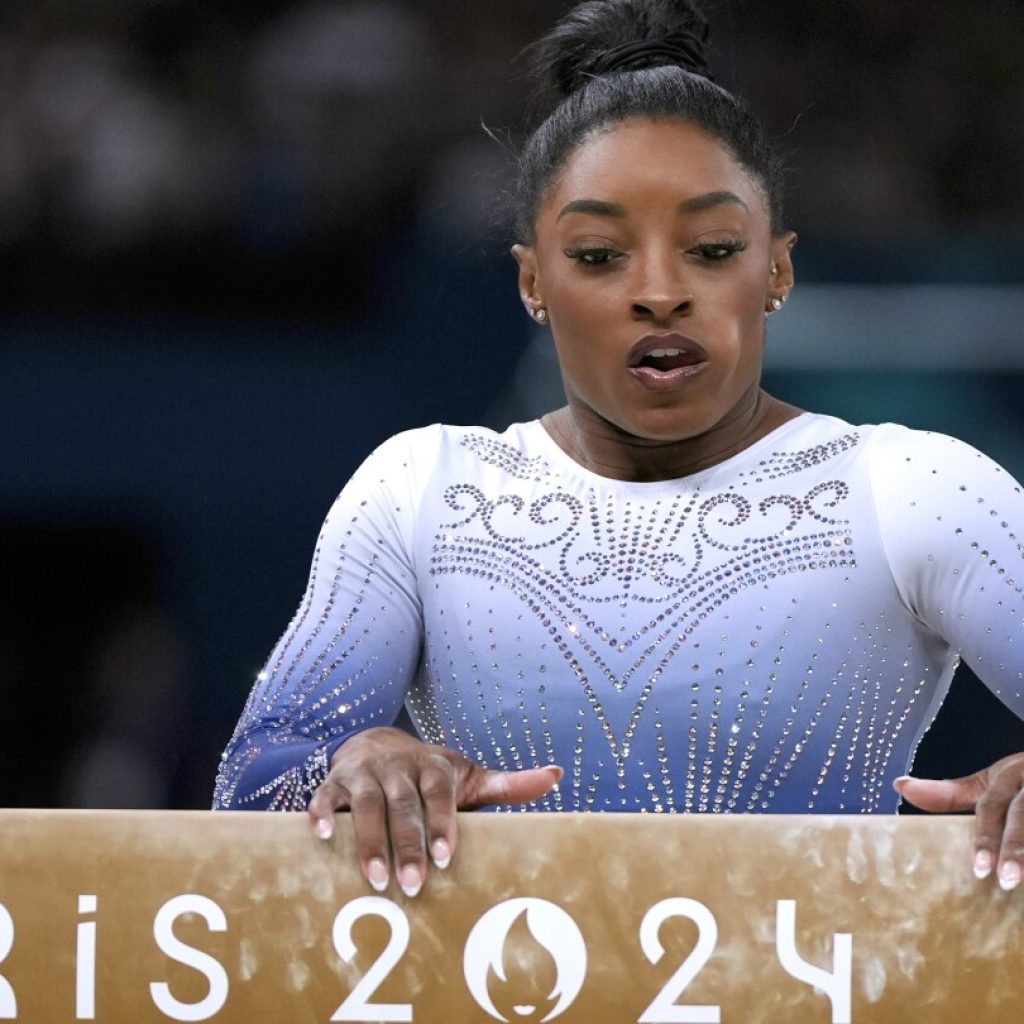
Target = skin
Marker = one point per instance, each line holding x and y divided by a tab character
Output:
651	227
403	795
996	795
649	265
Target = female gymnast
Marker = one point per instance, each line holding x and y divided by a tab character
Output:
675	593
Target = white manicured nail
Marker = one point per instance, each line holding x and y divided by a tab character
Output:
982	864
410	880
1009	875
377	874
441	853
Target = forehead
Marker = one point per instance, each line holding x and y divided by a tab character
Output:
642	159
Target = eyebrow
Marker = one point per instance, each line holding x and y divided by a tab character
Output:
598	206
710	199
693	205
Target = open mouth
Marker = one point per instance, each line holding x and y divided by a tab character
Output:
665	359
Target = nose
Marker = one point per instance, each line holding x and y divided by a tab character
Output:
661	290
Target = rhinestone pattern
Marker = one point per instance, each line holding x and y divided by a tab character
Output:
773	634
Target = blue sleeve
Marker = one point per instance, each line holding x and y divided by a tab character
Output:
349	654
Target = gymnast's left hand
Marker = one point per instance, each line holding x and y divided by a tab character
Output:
996	795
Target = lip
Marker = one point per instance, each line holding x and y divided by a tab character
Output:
665	380
649	342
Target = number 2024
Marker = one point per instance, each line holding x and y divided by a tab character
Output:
663	1009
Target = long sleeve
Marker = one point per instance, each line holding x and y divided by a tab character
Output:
952	525
771	635
349	654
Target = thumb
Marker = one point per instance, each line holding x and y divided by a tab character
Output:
941	796
494	787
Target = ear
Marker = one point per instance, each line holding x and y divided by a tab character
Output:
529	277
782	279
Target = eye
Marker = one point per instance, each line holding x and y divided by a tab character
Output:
715	252
595	257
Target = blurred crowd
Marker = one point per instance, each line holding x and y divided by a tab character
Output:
200	155
241	243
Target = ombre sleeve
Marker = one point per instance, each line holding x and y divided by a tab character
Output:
952	524
353	647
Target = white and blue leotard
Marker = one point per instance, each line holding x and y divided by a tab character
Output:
773	634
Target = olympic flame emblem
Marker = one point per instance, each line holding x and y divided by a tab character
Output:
508	964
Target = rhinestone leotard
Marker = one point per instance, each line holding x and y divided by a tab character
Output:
773	634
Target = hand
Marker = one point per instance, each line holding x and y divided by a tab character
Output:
996	795
401	789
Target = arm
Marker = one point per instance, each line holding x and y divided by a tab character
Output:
315	730
347	657
952	523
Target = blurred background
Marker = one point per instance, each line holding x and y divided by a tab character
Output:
241	244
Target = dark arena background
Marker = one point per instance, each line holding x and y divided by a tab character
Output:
241	244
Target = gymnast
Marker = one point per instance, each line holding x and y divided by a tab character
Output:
676	593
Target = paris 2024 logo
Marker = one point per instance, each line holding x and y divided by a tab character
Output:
530	947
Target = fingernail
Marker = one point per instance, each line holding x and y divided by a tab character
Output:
897	783
377	874
982	864
409	879
1009	875
324	828
441	852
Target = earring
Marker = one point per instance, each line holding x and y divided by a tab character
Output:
540	315
775	269
775	304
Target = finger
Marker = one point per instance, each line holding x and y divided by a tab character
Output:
329	797
992	824
989	818
370	828
492	787
406	827
941	796
1011	853
437	790
1007	799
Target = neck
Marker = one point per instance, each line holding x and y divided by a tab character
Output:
604	449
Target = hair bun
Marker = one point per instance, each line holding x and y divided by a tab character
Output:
598	37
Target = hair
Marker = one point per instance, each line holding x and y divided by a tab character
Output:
667	78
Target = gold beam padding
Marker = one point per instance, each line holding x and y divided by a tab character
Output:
246	917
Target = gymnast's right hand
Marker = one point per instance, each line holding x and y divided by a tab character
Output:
403	795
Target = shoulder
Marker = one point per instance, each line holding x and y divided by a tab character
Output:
892	446
907	472
444	448
902	451
923	482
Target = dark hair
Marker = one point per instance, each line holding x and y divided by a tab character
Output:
665	76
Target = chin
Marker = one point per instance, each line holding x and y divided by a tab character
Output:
665	428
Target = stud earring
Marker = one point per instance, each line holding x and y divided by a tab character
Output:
775	269
774	305
540	315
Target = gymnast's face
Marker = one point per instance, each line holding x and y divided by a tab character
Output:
653	256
